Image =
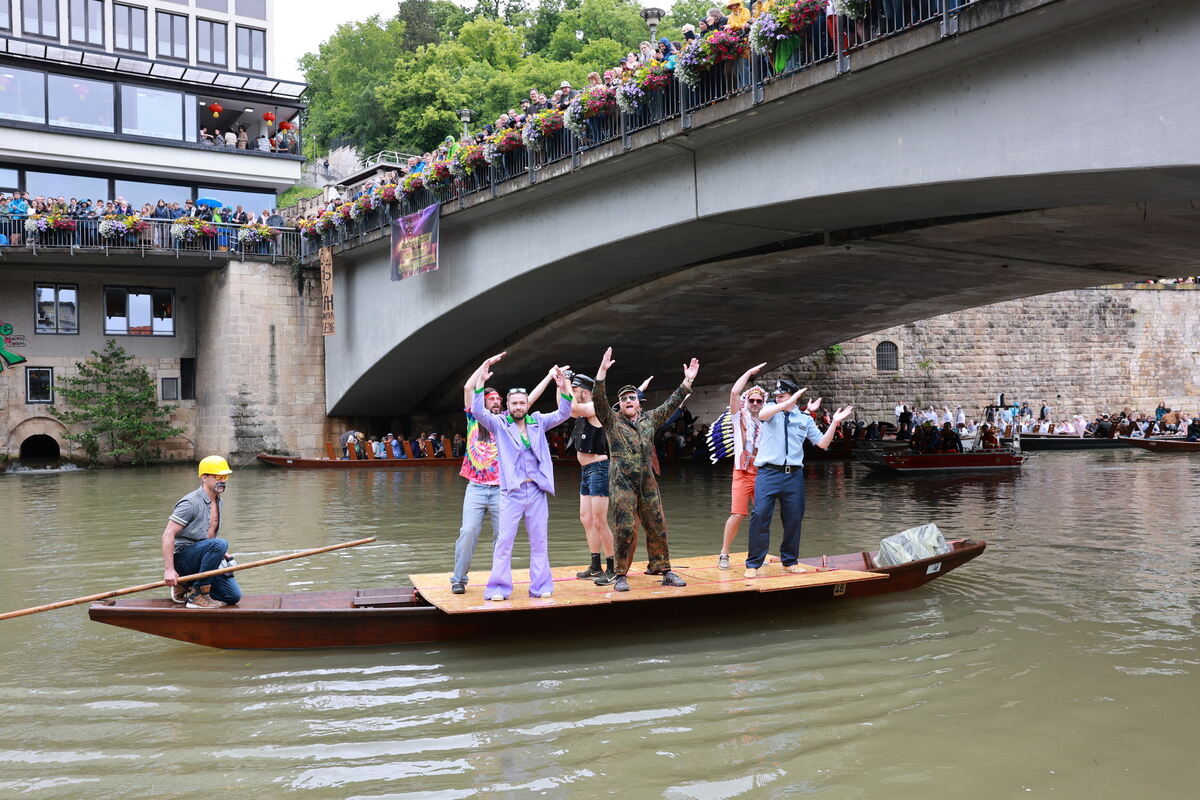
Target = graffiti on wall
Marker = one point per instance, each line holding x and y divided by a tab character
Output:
8	339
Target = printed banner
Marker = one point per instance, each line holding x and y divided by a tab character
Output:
327	325
415	243
9	339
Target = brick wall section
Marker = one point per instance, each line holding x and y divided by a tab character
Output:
260	364
1083	351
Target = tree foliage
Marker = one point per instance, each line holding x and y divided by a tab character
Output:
399	83
116	406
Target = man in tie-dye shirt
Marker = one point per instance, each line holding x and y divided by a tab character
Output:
481	468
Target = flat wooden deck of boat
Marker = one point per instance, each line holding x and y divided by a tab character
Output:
404	615
701	573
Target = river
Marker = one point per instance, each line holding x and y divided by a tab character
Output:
1062	663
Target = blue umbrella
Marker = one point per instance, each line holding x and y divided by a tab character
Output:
208	201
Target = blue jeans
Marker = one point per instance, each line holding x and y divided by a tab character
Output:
206	555
788	488
477	500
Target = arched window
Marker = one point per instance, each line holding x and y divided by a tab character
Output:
887	357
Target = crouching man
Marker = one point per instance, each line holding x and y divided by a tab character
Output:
190	543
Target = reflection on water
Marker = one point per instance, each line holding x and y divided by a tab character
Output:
1063	661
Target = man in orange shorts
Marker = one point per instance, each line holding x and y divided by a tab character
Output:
744	405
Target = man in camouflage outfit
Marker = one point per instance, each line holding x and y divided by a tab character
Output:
632	488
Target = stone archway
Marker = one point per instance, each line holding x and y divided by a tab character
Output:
40	447
37	426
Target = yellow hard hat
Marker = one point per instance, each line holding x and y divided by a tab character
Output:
214	465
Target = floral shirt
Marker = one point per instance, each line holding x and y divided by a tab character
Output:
480	464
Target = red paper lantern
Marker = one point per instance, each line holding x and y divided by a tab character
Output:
268	118
216	109
286	126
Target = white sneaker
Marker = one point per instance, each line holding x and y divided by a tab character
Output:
750	573
543	595
497	598
723	561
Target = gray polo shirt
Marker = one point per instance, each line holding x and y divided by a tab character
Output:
194	513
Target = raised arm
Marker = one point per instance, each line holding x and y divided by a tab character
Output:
659	415
838	416
541	387
739	386
563	412
771	409
475	397
600	404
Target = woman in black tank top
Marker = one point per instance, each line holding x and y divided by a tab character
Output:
591	448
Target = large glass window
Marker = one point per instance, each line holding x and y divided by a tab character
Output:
40	18
210	5
171	35
39	384
151	112
8	177
250	201
22	95
252	8
190	130
129	28
210	42
138	193
52	184
139	312
251	49
80	103
87	21
57	308
6	15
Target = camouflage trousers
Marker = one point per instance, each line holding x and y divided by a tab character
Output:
633	498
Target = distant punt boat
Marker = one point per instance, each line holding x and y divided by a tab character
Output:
1056	441
298	462
427	611
1171	445
909	462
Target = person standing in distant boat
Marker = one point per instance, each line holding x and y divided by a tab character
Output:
190	543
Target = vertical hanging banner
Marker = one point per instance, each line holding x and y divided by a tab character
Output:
415	243
327	323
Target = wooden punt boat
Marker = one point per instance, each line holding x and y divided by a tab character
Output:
1051	441
844	449
428	612
1166	445
298	462
909	462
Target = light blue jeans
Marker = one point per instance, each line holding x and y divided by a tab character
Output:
477	500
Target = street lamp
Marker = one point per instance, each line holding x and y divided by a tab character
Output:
653	16
464	115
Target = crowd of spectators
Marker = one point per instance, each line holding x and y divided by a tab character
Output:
238	139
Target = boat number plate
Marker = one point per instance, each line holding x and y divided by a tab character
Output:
932	568
839	589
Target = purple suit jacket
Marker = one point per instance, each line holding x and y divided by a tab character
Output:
508	440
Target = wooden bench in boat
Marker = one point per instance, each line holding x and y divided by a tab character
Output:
701	573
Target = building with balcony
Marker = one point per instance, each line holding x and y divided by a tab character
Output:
109	100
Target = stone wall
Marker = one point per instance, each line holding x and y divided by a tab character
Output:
260	363
1087	351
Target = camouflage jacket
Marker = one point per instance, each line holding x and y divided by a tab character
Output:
631	443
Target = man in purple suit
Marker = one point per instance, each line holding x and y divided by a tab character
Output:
526	478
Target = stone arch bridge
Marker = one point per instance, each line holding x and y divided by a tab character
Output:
1047	145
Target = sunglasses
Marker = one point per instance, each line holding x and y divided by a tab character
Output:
628	398
755	402
516	390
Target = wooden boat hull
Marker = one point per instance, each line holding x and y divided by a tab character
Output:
1041	442
909	462
310	620
1164	445
296	462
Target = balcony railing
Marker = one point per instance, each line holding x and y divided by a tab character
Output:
827	41
155	238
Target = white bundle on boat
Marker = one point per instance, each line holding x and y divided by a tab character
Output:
923	541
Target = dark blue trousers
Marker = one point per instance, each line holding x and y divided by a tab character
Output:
788	489
206	555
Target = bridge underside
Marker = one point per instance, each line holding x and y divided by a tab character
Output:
783	303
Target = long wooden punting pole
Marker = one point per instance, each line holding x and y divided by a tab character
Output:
182	578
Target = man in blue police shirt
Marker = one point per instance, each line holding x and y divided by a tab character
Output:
780	462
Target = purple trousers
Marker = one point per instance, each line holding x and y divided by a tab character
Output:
526	501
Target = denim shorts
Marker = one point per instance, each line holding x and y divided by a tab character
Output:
593	481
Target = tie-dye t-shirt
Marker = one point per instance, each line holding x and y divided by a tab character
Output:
480	463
